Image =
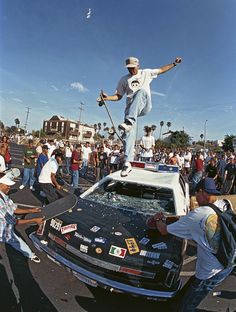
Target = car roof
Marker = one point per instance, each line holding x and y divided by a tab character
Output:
148	177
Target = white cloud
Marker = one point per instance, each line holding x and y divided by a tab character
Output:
78	86
17	100
43	102
158	93
54	88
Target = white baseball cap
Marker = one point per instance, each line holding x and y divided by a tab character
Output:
5	180
132	62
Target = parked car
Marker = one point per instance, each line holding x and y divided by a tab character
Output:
105	242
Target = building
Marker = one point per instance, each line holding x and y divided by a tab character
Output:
58	126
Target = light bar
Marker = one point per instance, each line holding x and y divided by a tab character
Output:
168	168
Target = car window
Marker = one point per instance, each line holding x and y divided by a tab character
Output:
136	197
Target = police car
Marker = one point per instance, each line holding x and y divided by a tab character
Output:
105	242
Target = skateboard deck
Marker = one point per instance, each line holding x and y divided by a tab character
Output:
12	173
56	208
228	184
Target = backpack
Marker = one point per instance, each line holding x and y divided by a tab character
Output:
226	253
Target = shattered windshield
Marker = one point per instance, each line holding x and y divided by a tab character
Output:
132	196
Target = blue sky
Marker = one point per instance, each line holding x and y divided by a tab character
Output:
55	54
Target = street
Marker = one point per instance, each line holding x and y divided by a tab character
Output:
27	286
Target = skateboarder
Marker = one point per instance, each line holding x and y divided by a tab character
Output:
136	86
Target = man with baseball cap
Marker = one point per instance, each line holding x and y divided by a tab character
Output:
8	220
136	86
202	226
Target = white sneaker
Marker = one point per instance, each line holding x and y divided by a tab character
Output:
126	169
32	188
125	127
22	186
35	258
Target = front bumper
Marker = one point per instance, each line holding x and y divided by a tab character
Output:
95	280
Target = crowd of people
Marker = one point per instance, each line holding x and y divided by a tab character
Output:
99	160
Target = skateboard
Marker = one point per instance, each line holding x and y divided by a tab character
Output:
66	188
56	208
227	186
12	173
113	129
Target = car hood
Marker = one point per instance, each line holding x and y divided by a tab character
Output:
117	236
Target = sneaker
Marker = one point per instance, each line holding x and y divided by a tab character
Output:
125	127
22	186
35	258
126	169
32	188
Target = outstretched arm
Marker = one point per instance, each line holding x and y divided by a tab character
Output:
106	97
165	68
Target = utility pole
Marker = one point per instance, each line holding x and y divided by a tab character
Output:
205	135
27	117
80	113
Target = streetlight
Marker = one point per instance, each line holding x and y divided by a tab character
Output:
80	109
205	134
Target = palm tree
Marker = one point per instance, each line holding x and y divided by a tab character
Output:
153	127
168	125
99	127
17	122
95	127
161	125
201	136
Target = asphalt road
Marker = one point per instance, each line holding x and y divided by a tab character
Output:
45	287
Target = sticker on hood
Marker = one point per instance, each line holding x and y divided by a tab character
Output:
161	245
144	241
56	224
83	238
117	251
132	245
68	228
83	248
100	240
95	228
149	254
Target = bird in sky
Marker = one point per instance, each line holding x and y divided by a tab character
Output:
88	13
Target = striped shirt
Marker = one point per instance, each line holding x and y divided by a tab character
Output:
7	219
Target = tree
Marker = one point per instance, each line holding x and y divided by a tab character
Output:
99	127
153	127
228	142
17	122
179	139
161	125
95	127
168	125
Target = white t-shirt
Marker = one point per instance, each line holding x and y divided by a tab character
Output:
2	164
115	156
147	142
51	166
51	149
68	151
200	225
129	85
187	159
86	152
